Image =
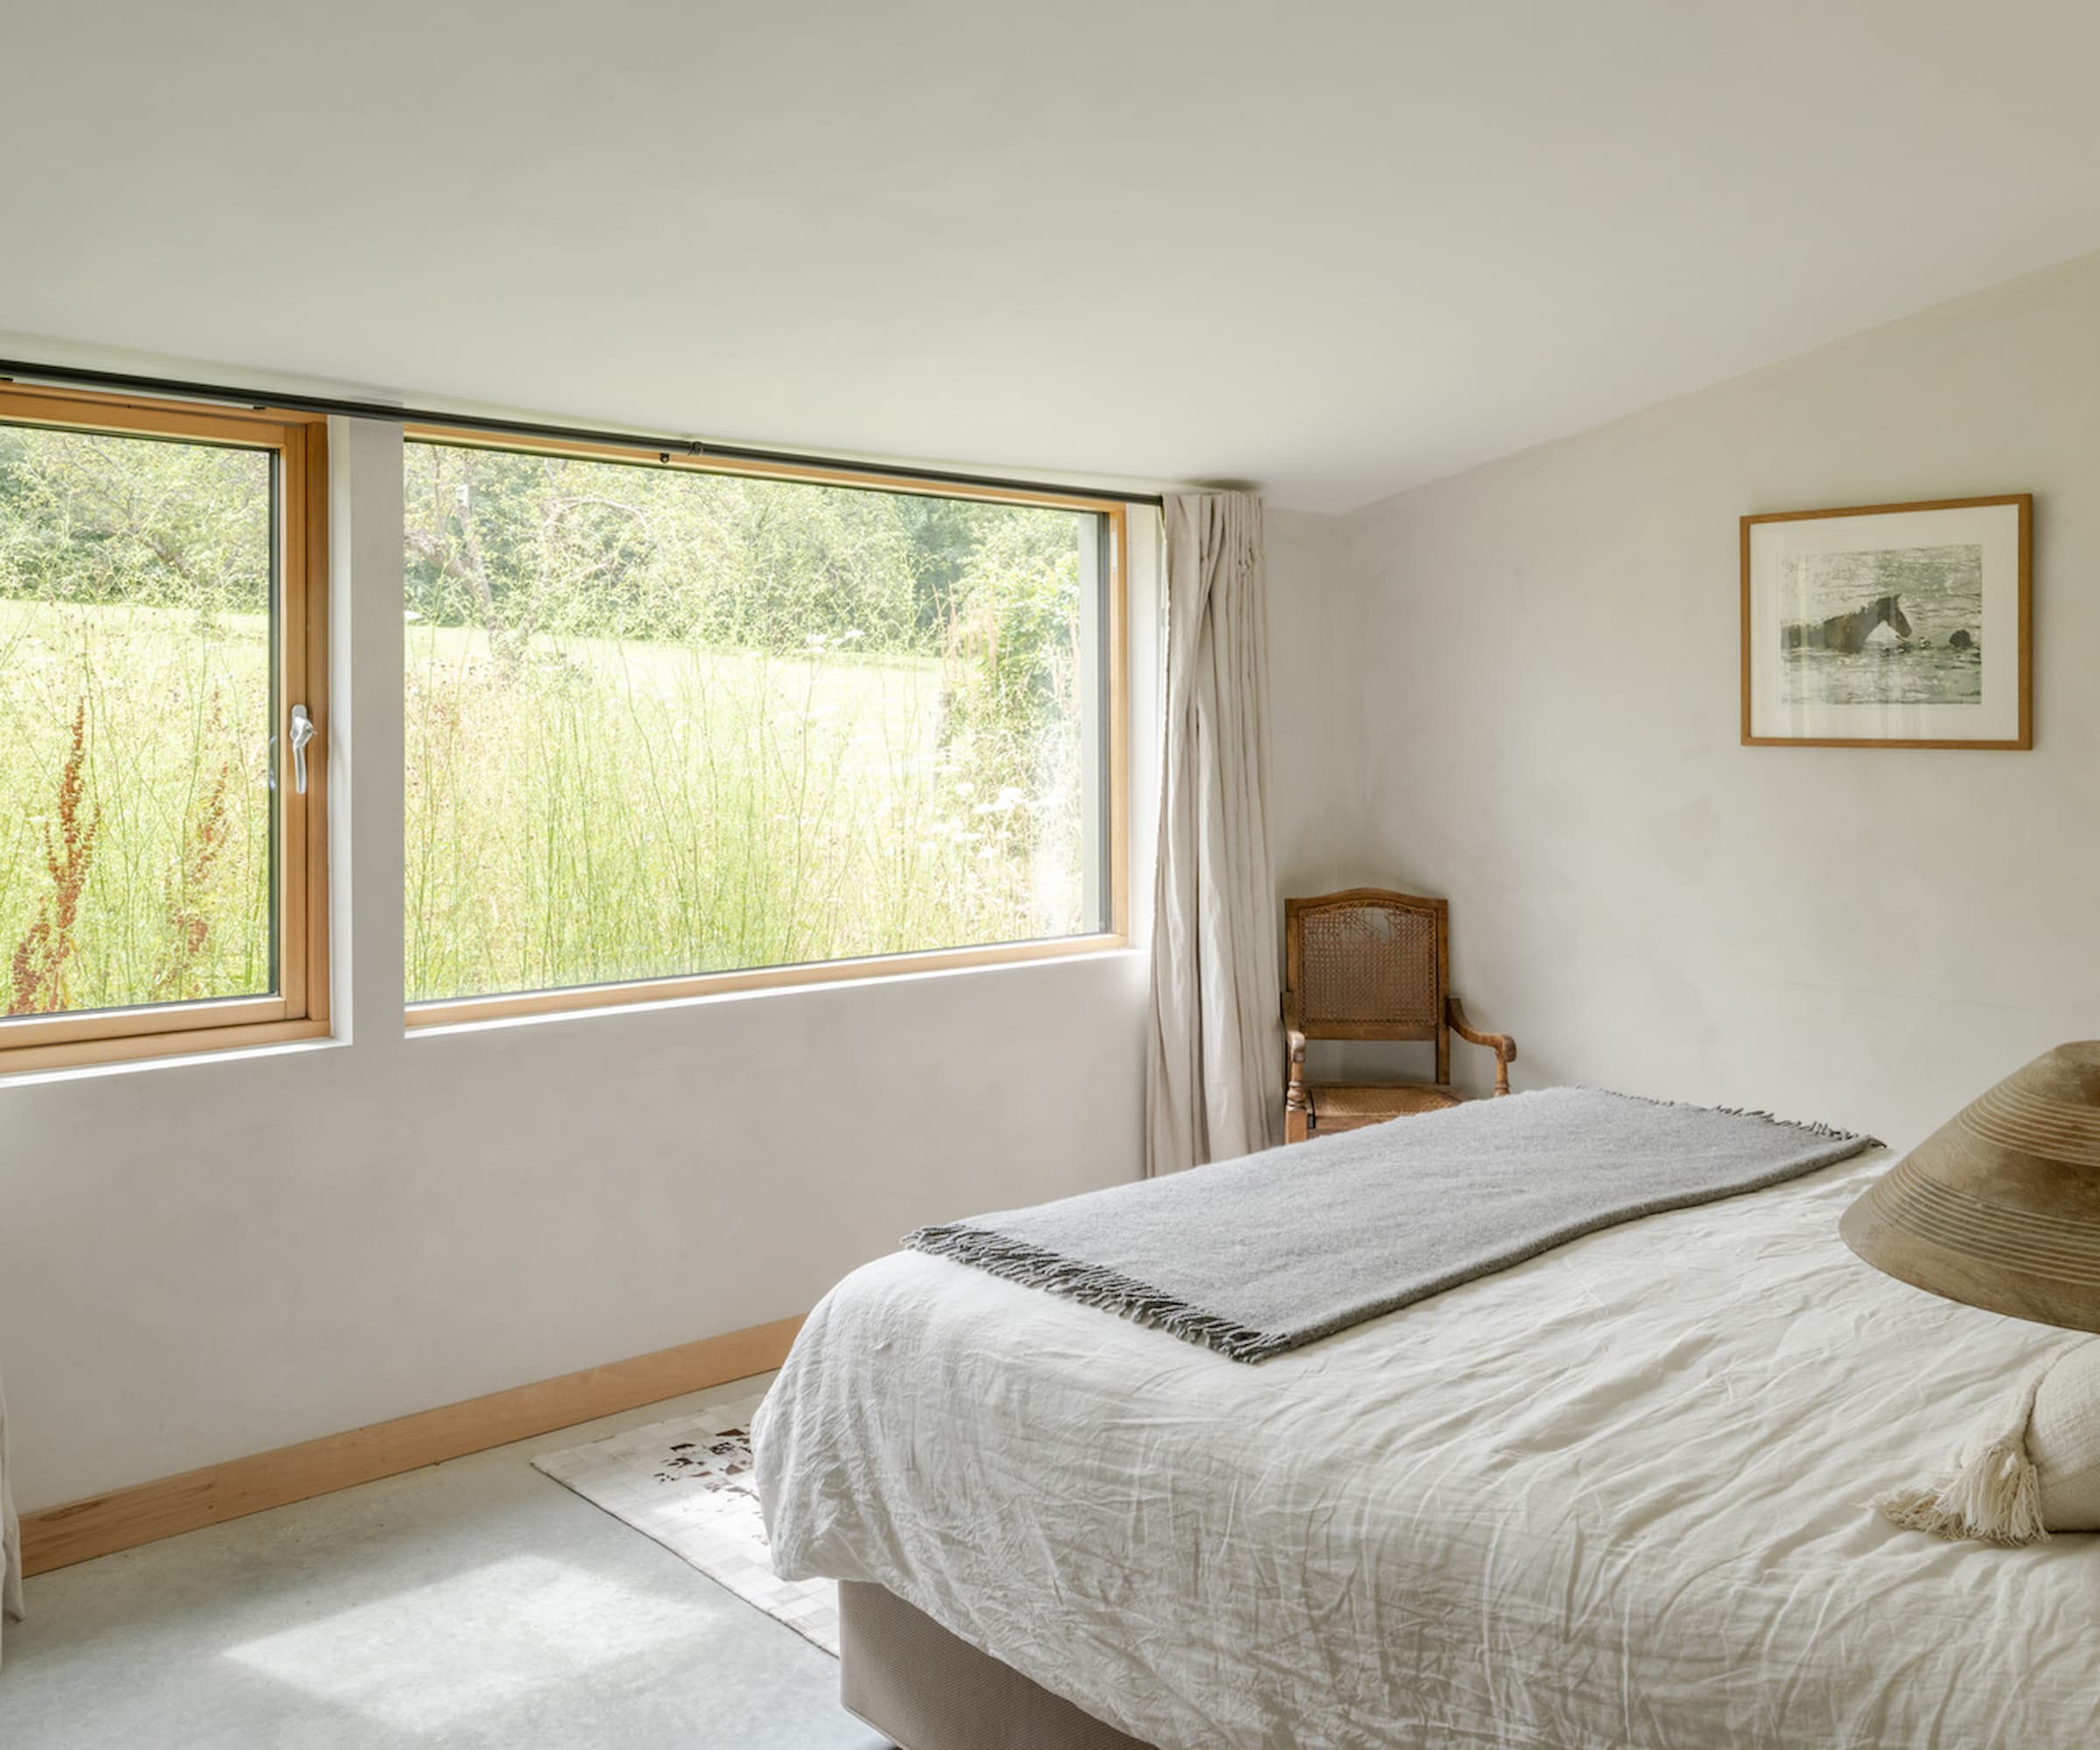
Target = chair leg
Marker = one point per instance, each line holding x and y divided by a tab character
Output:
1298	1113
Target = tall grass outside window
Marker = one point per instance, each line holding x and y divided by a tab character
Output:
664	723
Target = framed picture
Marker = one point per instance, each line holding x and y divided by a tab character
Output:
1889	625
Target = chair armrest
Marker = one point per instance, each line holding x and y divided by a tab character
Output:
1502	1044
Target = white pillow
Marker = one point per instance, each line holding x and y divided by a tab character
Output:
2063	1439
2034	1471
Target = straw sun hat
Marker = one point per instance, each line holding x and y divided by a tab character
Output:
2001	1208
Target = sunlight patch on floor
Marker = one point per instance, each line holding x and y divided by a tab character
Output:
441	1654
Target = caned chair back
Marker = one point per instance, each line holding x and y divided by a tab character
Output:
1368	964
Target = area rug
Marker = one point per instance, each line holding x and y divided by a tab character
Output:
687	1483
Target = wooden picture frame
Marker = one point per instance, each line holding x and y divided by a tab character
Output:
1901	625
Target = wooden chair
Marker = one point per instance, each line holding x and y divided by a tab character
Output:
1367	964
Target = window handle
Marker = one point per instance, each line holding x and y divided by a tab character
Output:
302	732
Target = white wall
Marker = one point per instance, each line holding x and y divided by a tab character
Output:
1316	666
208	1258
1548	704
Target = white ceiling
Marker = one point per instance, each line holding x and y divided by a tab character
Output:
1336	248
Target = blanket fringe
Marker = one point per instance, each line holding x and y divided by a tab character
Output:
1993	1495
1095	1285
1830	1132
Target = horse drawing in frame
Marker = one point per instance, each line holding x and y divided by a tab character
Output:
1846	632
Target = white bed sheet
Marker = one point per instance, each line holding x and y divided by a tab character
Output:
1615	1496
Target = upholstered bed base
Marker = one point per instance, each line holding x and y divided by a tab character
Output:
925	1690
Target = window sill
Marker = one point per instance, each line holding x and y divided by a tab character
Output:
29	1065
474	1011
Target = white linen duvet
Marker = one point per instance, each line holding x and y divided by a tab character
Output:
1615	1496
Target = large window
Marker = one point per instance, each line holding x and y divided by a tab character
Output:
162	857
667	722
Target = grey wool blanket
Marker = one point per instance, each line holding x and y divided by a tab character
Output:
1265	1253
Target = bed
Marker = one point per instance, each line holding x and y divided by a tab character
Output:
1616	1495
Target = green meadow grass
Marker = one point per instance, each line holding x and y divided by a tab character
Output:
172	807
628	809
583	809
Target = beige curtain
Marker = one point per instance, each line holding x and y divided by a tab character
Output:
10	1536
1214	1080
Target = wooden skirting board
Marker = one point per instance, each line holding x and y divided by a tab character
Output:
57	1537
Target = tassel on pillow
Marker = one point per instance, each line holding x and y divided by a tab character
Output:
2036	1472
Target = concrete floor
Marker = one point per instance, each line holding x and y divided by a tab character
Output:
475	1603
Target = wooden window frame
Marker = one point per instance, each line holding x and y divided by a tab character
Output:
300	1009
1114	728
